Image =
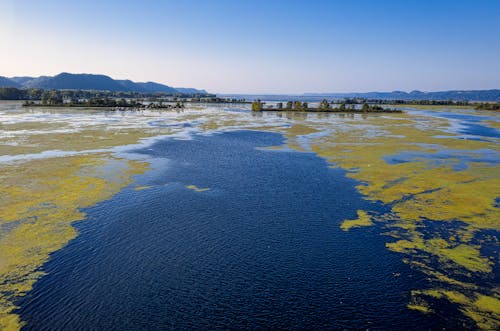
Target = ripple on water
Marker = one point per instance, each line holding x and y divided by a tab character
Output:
267	251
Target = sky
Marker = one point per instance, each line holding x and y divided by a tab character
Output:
259	46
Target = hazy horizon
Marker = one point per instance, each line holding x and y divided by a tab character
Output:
270	94
260	47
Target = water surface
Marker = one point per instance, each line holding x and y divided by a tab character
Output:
261	250
219	217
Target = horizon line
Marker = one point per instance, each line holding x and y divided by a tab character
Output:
264	93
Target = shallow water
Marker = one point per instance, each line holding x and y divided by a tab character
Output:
262	250
471	125
207	224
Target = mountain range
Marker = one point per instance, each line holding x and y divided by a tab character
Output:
68	81
456	95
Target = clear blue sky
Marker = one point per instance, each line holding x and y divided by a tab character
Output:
259	46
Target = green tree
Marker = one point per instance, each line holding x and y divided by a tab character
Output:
324	105
45	97
256	105
55	97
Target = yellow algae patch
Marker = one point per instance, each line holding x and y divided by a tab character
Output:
455	195
197	189
300	130
85	139
32	126
437	214
214	124
436	211
140	188
440	277
421	308
262	128
488	303
492	124
467	256
39	201
296	130
271	148
484	310
362	220
405	246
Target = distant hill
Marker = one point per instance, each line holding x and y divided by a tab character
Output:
7	82
22	79
68	81
190	90
36	82
129	85
470	95
465	95
156	87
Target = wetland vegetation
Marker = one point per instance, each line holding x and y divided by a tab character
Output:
100	98
115	104
422	102
334	168
488	106
323	106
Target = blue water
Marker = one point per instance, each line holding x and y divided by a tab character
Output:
261	250
470	124
459	159
471	127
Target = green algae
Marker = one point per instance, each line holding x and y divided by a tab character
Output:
482	309
84	139
40	201
32	125
422	307
418	192
463	255
362	220
492	124
142	187
197	189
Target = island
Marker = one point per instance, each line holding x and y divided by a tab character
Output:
324	106
488	106
39	97
108	103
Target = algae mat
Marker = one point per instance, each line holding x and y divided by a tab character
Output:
444	206
440	182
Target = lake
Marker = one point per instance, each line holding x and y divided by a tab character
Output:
222	218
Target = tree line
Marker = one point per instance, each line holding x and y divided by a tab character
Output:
324	106
12	93
488	106
117	104
360	101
